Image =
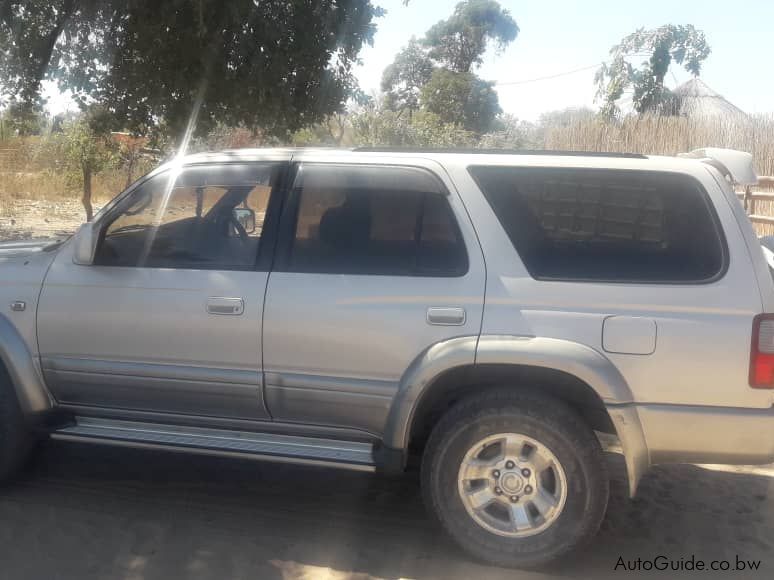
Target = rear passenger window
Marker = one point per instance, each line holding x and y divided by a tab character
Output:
606	225
374	220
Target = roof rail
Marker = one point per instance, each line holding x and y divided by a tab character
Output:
736	166
469	151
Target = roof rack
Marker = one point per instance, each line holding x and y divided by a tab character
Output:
468	151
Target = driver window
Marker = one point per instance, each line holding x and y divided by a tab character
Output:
202	217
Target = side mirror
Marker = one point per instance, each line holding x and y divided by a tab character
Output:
85	245
246	217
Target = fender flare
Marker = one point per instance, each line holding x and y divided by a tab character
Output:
31	393
578	360
421	373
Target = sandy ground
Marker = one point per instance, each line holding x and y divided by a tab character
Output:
84	512
29	219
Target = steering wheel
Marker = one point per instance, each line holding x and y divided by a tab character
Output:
241	231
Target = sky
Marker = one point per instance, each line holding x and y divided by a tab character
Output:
558	36
564	35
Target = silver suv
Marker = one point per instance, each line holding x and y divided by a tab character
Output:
489	314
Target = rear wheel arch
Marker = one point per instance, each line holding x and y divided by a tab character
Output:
469	362
575	373
473	380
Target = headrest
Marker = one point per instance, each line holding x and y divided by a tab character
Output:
347	226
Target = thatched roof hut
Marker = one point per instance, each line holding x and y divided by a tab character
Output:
697	100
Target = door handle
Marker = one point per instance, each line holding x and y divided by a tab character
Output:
225	306
445	316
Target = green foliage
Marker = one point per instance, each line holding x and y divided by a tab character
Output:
510	133
29	30
379	126
83	152
684	45
402	81
274	65
461	99
429	130
23	119
430	79
434	74
81	147
459	42
330	132
376	125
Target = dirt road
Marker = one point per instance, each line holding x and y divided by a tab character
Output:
84	512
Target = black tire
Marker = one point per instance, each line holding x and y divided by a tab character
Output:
15	438
550	422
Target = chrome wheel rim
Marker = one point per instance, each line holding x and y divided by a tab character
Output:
512	485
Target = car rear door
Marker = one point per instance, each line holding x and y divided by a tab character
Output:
377	260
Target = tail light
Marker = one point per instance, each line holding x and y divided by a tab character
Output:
762	352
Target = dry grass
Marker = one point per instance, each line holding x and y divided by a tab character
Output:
36	197
29	171
668	136
672	135
17	189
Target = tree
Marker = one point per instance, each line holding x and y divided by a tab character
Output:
460	42
29	31
429	130
129	152
684	45
274	65
460	98
330	132
375	125
510	133
434	74
402	81
85	152
566	117
225	137
23	119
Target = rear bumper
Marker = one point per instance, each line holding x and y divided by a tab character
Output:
652	434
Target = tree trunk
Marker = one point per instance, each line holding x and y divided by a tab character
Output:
45	48
86	199
130	171
199	201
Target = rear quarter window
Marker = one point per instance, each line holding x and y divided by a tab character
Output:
606	225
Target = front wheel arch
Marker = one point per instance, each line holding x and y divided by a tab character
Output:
18	362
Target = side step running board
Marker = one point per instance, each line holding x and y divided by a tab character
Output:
265	446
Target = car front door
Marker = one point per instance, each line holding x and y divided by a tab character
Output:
168	318
375	263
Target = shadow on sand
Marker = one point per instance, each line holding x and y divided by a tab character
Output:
97	512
